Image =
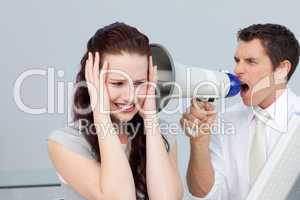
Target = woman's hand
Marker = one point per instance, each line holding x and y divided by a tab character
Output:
198	118
97	87
148	110
159	162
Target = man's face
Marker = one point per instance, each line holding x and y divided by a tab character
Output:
255	70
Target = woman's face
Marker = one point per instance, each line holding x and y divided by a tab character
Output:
125	98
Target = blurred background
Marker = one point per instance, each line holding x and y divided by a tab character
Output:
42	35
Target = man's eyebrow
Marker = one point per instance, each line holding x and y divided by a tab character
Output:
248	58
252	58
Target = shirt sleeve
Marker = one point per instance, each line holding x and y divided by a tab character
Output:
219	190
166	132
73	140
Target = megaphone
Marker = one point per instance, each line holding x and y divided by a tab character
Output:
176	80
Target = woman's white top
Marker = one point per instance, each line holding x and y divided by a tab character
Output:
71	138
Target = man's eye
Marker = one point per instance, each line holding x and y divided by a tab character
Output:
252	62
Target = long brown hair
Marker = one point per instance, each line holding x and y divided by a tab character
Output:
115	39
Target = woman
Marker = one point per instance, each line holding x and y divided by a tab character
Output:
122	153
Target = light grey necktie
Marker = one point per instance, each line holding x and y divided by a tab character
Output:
258	154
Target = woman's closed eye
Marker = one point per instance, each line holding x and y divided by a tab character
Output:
139	83
118	84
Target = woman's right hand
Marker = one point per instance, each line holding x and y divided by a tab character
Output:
97	88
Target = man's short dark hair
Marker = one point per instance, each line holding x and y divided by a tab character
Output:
279	43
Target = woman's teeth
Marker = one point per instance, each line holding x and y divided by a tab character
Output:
125	107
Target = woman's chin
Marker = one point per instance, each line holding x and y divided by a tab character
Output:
125	116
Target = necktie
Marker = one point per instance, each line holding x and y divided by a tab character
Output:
258	153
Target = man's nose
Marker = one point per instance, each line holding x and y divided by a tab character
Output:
239	69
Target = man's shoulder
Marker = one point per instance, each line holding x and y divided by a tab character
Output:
297	103
294	101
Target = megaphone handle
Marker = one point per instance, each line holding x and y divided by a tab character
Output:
205	99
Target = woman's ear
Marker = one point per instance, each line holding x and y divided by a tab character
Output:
283	70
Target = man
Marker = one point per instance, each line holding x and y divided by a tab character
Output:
224	166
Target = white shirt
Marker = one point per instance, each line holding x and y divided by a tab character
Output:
230	150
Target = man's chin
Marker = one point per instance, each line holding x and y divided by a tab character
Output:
247	101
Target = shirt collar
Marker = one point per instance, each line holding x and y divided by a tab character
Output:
278	112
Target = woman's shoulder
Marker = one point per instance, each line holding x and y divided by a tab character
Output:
73	139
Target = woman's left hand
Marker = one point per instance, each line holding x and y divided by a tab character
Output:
148	110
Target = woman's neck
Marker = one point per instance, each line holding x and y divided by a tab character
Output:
121	128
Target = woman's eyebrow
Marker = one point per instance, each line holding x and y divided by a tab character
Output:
143	79
117	79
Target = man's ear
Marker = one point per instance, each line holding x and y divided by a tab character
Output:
282	71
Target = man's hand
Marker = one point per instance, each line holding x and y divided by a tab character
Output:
197	123
197	120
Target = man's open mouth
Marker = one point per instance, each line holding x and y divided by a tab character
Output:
244	87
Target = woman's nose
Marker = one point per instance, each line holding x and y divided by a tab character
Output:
128	94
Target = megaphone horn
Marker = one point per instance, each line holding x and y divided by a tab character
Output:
178	80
